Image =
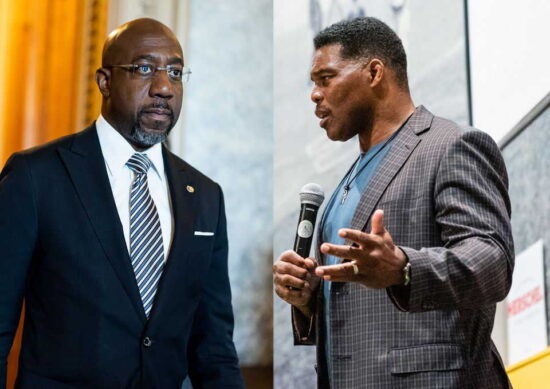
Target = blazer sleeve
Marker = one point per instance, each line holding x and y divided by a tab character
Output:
213	361
474	265
18	234
303	328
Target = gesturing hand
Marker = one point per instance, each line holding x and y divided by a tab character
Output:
374	260
295	281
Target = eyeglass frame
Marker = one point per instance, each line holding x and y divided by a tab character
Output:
185	71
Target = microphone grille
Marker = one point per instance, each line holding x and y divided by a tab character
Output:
312	194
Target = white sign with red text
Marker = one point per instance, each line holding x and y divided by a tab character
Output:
526	307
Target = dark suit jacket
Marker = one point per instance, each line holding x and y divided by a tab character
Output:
443	190
62	249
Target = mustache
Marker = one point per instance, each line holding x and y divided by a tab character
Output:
158	106
321	112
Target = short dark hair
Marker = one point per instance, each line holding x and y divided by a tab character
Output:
367	37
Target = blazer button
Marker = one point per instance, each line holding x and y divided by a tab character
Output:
147	342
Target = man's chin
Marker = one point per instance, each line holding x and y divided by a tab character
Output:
336	134
146	137
339	135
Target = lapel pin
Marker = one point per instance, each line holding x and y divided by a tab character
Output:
190	189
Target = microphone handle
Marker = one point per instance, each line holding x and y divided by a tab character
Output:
305	229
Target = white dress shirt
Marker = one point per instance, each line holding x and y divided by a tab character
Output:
116	152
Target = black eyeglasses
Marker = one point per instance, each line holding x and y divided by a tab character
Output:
147	71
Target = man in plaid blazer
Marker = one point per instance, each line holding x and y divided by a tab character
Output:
426	251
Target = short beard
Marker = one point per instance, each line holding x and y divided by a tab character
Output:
146	139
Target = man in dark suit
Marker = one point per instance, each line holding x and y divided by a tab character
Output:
117	246
415	245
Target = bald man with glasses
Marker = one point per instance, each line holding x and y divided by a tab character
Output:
118	247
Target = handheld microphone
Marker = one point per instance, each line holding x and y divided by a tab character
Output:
311	198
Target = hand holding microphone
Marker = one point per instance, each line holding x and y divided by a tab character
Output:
293	272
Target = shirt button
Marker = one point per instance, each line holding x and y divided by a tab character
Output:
147	341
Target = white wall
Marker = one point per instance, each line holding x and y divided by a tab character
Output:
228	121
510	60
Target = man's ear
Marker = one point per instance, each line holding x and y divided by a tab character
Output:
103	81
376	71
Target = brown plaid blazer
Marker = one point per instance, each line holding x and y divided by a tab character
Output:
443	190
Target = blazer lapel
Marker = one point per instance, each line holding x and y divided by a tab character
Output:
86	166
183	201
401	148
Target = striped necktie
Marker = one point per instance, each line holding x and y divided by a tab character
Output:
146	247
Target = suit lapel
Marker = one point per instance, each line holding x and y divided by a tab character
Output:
184	211
401	149
86	166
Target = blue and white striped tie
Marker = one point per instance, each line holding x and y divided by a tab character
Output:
146	247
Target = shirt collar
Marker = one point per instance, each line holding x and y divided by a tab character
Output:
117	151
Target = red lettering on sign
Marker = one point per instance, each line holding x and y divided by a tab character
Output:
525	301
